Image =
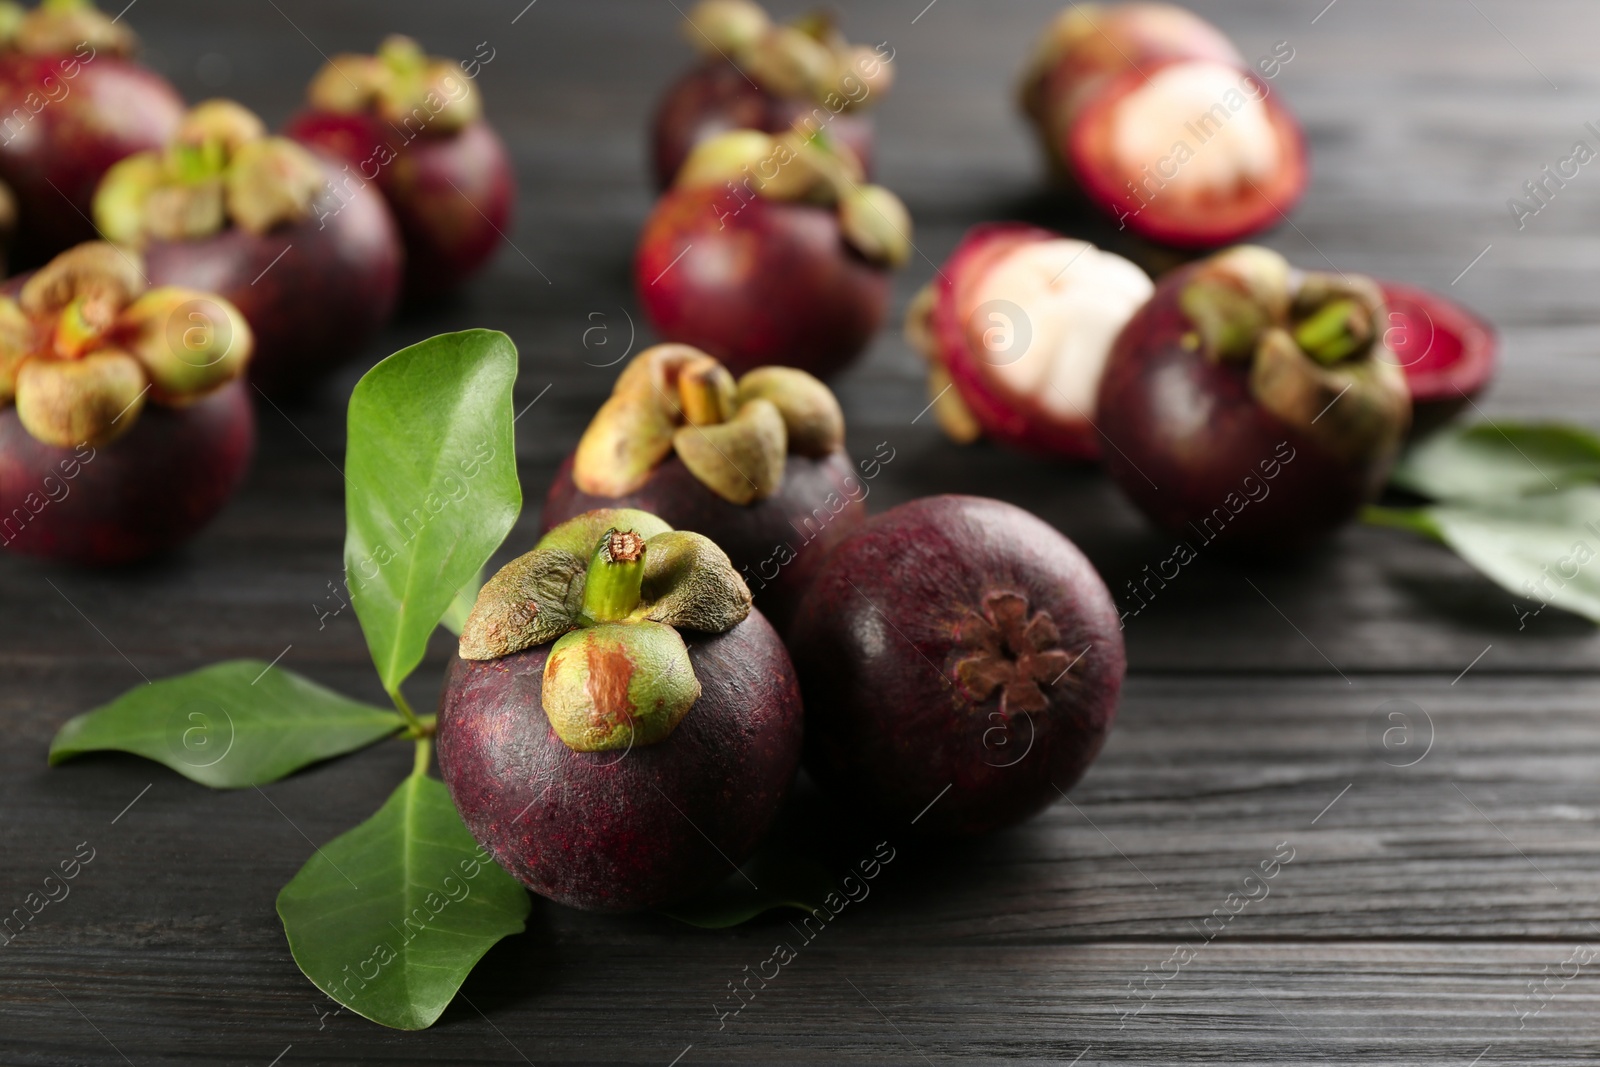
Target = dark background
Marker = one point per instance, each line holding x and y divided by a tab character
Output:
1418	907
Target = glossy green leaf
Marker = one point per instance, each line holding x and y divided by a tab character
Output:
455	616
390	918
1544	549
1499	461
230	725
432	486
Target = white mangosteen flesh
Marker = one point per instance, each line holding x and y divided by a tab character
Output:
1195	131
1073	300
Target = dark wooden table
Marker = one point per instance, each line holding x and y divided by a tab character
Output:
1422	899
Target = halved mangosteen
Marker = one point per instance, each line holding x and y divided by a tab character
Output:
1448	353
1017	328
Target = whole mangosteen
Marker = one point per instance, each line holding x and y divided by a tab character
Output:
315	266
1253	404
124	426
757	465
1016	329
758	75
72	103
771	250
1157	119
413	125
620	726
961	663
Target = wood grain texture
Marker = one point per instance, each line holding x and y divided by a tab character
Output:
1421	899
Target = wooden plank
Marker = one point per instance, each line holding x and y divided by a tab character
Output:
1421	899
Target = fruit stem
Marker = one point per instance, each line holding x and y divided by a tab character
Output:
706	392
419	765
415	724
427	726
75	329
402	55
611	591
1337	329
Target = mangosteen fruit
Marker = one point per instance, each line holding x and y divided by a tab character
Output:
413	125
620	727
771	250
1252	404
1016	329
759	75
72	103
960	661
758	465
313	261
1447	352
8	227
1155	117
124	422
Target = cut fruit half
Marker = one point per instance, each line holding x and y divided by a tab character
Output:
1019	327
1194	154
1448	353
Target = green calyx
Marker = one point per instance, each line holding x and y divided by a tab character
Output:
1309	344
85	344
807	58
611	588
733	436
64	28
417	93
808	168
221	168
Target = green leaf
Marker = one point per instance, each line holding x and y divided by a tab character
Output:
455	616
1544	548
1490	462
432	490
783	873
230	725
390	918
1417	520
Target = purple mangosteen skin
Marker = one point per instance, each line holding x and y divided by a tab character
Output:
150	489
67	119
453	195
768	282
800	517
629	829
334	288
876	643
716	97
1201	457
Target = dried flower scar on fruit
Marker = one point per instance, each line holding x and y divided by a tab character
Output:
124	425
312	258
772	249
620	724
74	103
756	74
1160	122
1016	329
961	663
1254	404
756	464
413	125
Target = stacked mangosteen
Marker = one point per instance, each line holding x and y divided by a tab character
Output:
228	248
